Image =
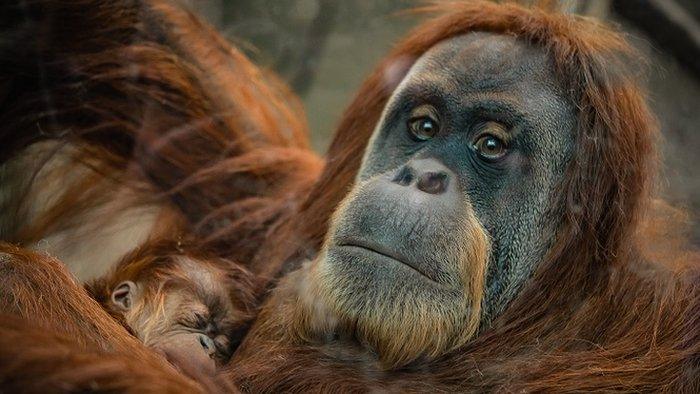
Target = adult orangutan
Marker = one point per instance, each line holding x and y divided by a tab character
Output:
492	238
496	235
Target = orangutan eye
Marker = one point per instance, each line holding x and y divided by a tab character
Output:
423	129
490	147
488	144
423	124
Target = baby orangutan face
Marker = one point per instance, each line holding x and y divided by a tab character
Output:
191	312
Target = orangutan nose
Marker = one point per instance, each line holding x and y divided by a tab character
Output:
428	176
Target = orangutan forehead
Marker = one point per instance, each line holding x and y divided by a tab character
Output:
202	275
489	62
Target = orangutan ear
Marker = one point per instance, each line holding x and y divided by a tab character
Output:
123	295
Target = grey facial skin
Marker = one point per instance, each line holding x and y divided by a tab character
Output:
472	85
403	238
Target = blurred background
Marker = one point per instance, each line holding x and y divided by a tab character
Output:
325	48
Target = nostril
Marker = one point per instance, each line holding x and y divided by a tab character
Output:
433	182
404	177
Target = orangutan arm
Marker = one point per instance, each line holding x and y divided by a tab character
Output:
39	289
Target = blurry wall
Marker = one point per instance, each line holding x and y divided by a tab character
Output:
325	48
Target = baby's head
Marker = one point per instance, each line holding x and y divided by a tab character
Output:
189	307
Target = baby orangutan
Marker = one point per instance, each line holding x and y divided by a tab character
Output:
190	307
